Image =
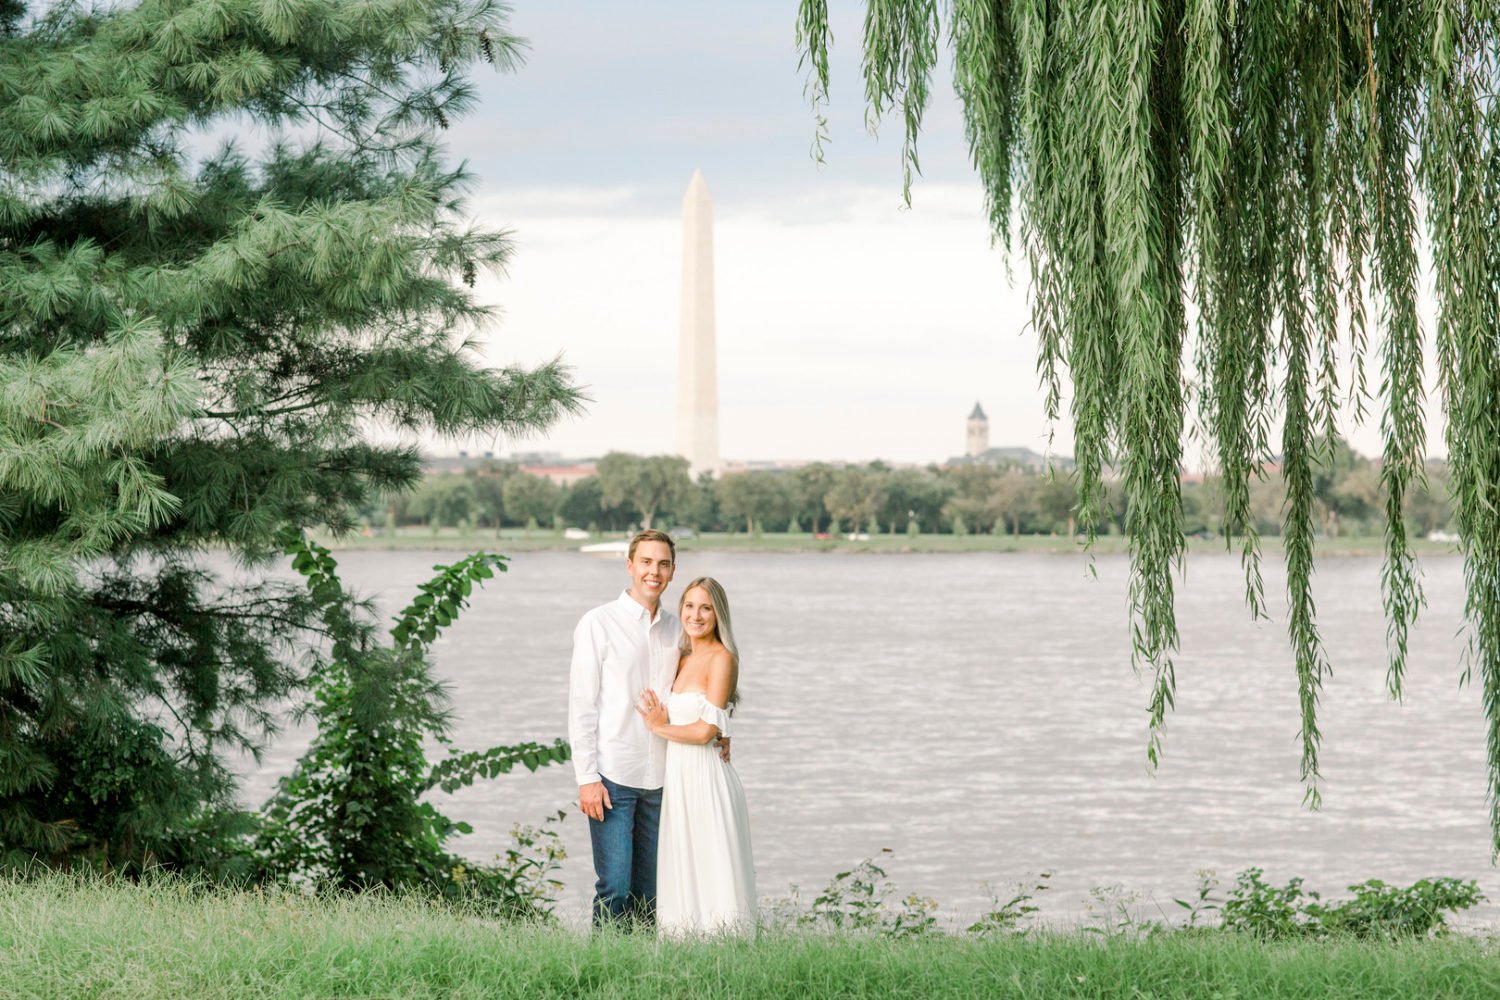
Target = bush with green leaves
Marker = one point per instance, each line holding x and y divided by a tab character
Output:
1377	910
353	814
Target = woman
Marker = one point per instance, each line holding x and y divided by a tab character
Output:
705	877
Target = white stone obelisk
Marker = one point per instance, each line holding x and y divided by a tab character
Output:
697	369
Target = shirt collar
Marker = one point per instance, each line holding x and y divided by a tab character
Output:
636	610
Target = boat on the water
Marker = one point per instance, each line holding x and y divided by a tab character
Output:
616	548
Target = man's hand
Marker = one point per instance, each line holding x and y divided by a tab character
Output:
723	744
593	799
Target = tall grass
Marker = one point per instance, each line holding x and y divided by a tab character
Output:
64	936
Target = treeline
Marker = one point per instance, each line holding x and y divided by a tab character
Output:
632	490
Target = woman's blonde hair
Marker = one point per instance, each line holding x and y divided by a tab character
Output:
723	629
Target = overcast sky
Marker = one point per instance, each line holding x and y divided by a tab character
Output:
848	326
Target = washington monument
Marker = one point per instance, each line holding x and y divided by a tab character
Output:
697	370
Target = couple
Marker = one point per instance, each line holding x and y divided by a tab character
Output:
648	701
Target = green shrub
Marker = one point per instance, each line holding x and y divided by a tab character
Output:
352	814
1377	910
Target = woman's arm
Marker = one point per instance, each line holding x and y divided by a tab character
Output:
720	682
655	714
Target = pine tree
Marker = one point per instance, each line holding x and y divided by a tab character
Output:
192	352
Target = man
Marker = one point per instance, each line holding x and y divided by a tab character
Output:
619	650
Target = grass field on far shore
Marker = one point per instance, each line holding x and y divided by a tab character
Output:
65	937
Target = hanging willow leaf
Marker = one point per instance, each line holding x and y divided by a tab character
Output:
1271	168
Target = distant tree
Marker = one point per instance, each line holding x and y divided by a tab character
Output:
855	496
649	483
1057	501
757	497
900	492
531	498
1430	508
582	502
1331	504
972	491
447	500
700	509
810	485
1267	500
1196	511
1014	499
1355	499
489	479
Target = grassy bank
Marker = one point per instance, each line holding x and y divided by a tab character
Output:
515	540
63	938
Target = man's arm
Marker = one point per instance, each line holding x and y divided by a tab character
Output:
583	718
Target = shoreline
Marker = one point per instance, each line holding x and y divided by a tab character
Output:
517	540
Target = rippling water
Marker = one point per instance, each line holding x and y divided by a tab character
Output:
977	715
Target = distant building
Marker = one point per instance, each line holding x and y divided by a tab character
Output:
564	474
979	433
979	452
730	468
548	465
462	462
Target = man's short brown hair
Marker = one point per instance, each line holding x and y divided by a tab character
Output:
652	535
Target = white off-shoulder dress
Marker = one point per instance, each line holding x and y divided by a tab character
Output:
705	874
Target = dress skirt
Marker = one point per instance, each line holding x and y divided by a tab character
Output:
705	873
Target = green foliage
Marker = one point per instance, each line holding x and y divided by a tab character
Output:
1377	911
1270	168
121	706
193	343
462	769
445	501
855	495
1266	910
754	497
1011	915
1204	902
532	499
860	900
648	483
523	884
351	815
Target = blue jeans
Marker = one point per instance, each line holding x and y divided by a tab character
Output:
625	855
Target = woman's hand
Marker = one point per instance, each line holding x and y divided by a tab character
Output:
652	710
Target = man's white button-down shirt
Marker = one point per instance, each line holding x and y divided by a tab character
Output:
618	652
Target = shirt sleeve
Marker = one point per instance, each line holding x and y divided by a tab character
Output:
584	678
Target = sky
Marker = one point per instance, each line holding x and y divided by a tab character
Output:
849	326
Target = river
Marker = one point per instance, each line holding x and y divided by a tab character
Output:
977	716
